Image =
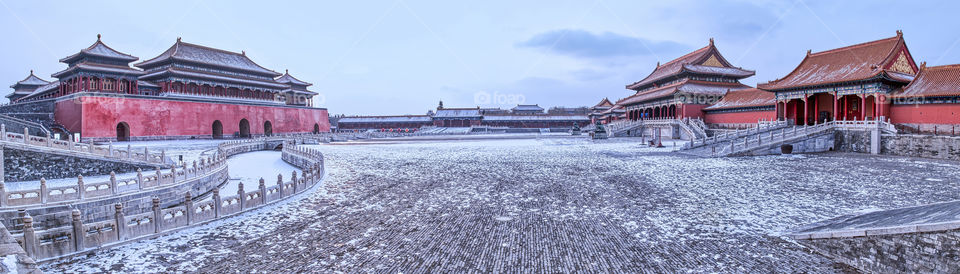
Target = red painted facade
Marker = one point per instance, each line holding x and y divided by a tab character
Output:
97	117
746	117
925	114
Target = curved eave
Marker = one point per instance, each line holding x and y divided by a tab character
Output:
214	77
117	70
737	73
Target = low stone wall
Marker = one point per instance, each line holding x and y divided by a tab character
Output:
41	106
117	219
926	146
923	252
852	141
814	144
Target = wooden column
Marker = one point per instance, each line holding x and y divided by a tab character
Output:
836	100
806	110
863	107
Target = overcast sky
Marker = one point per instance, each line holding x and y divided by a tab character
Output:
402	56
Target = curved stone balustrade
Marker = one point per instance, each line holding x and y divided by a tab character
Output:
79	237
27	141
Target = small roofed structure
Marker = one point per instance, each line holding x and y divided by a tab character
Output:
26	86
527	109
848	83
97	68
297	93
457	117
741	108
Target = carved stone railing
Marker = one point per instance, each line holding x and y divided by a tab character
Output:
79	237
69	147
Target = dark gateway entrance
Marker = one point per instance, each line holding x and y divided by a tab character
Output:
244	128
267	128
217	130
316	128
123	132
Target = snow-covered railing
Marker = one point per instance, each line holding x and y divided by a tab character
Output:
769	138
80	149
727	136
87	190
79	237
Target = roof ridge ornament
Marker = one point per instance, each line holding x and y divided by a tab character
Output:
178	39
899	32
243	52
809	51
711	41
98	37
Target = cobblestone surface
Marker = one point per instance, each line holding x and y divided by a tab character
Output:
549	205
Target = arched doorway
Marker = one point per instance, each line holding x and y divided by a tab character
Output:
123	132
267	128
244	128
217	130
316	128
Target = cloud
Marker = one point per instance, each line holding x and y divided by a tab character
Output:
585	44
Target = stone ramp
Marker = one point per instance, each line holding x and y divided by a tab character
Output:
918	239
937	216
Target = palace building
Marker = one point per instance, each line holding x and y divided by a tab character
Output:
867	81
684	86
848	83
188	91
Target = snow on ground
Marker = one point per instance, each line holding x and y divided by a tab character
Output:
248	168
544	205
191	150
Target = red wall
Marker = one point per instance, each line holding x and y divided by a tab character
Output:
925	114
97	117
748	117
692	110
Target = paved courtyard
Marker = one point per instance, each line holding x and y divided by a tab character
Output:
546	205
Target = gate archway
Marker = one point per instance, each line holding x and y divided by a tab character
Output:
244	128
316	128
267	128
217	130
123	132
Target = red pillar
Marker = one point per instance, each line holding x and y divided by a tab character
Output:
806	110
835	106
863	107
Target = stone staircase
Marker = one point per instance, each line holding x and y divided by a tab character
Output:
694	128
770	136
